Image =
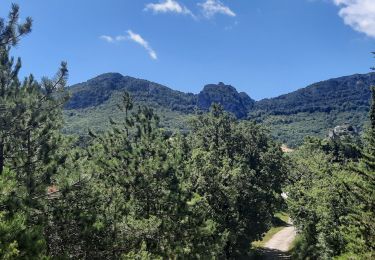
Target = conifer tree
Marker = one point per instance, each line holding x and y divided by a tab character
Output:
365	188
30	120
129	205
331	198
238	171
10	34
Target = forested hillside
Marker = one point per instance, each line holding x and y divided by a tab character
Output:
309	111
98	90
315	109
341	94
92	102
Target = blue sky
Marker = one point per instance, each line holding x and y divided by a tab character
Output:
263	47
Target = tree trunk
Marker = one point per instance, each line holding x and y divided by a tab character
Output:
1	157
29	172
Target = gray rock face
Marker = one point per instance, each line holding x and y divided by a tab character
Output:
237	103
341	131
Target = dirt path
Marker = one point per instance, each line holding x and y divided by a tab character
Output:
277	247
282	240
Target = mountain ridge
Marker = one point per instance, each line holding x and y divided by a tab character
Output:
362	80
311	110
98	90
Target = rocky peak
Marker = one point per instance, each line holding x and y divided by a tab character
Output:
226	95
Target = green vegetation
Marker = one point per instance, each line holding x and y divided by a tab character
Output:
311	111
331	197
292	129
270	233
79	121
282	218
279	222
30	120
135	190
91	102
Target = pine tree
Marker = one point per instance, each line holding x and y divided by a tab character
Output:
35	143
16	238
331	199
10	34
30	120
365	188
369	151
237	171
354	201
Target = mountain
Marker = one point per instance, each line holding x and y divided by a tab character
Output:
339	94
237	103
312	110
101	89
315	109
93	101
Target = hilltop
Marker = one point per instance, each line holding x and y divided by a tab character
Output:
312	110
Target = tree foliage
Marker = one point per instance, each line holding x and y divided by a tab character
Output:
30	119
137	191
149	194
331	196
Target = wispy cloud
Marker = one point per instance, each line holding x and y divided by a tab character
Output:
168	6
107	38
120	38
358	14
212	7
137	38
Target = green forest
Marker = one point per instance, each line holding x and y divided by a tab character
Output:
310	111
137	191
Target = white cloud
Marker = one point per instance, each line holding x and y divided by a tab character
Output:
168	6
358	14
138	39
212	7
120	38
132	37
107	38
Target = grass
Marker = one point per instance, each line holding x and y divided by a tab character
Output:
282	216
258	250
295	243
279	222
267	237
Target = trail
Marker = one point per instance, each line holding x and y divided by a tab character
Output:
277	247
